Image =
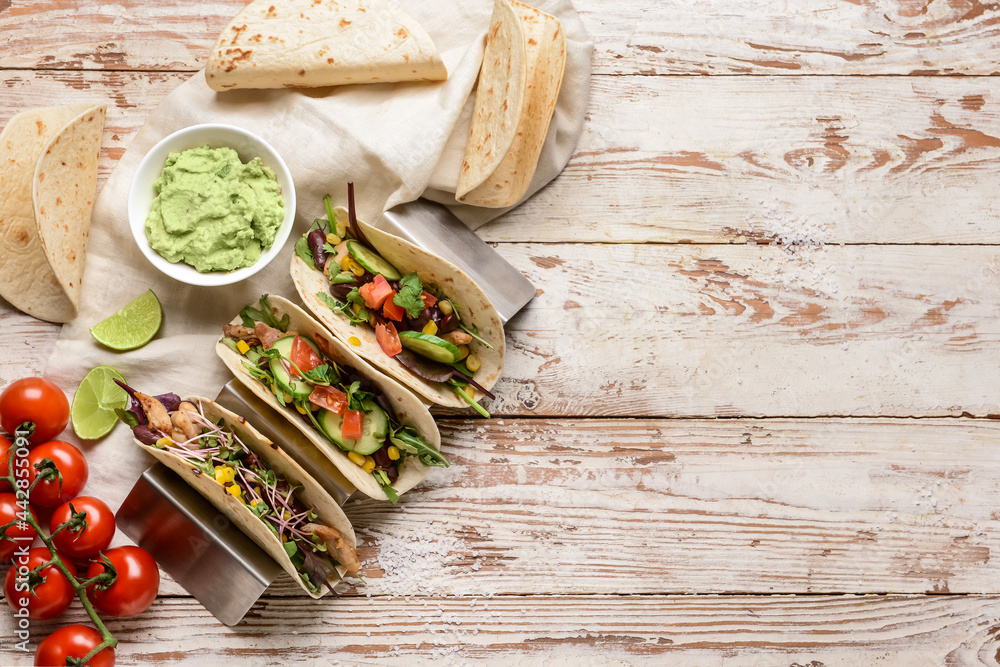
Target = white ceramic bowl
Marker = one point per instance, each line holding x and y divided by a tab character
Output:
141	194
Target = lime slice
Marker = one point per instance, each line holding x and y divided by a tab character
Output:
94	403
133	326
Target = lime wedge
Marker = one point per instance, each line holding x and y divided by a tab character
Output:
94	403
133	326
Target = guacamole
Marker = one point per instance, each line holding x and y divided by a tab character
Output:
212	211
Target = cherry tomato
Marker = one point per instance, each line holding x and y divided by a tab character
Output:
392	311
135	588
21	534
4	453
91	540
71	464
388	339
50	598
34	400
73	641
303	356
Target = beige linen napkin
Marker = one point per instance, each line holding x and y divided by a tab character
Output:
390	139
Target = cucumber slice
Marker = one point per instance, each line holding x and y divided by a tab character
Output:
372	261
374	429
432	347
296	386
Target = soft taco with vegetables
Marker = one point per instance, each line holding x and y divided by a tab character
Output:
252	481
411	314
376	432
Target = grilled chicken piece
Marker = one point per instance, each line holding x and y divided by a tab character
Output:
268	335
182	420
240	332
336	545
159	419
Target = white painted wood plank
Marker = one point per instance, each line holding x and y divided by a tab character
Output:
565	631
651	37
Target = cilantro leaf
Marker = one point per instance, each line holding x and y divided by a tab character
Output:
408	297
356	398
320	374
264	314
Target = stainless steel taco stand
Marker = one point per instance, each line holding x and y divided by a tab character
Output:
195	543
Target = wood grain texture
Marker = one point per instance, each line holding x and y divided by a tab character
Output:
666	160
648	37
574	507
727	331
572	630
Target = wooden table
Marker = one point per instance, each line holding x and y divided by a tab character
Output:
751	416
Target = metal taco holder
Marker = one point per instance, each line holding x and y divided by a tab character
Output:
194	542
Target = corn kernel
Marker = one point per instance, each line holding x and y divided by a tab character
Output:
463	351
332	239
356	307
242	346
256	490
345	263
445	307
353	340
369	464
430	328
356	458
288	397
470	392
393	452
164	442
224	474
473	363
234	490
301	410
357	269
254	502
341	229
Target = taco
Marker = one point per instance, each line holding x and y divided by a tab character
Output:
48	181
252	481
375	431
417	317
310	43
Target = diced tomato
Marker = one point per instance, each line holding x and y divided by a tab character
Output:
392	311
388	339
329	398
376	292
429	299
352	428
303	356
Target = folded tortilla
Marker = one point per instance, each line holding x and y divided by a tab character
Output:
477	309
311	43
519	84
407	407
48	182
312	495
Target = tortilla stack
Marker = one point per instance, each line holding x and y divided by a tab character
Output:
312	43
518	87
48	182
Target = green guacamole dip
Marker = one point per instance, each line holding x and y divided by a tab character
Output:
212	211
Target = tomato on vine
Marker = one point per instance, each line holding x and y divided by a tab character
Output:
19	534
49	598
79	541
135	587
73	641
70	480
34	400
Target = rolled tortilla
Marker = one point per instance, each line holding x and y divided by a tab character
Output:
407	407
311	494
476	308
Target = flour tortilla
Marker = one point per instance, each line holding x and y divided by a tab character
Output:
545	57
499	98
408	408
48	182
312	495
460	288
311	43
